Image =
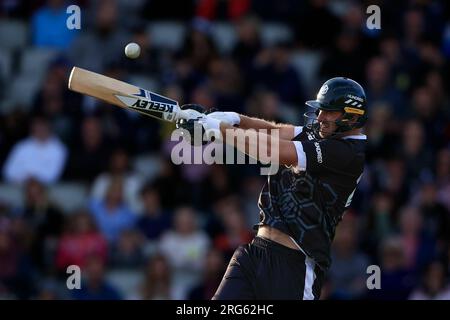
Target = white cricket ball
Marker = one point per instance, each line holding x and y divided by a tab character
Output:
132	50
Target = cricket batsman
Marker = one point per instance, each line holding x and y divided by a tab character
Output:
300	206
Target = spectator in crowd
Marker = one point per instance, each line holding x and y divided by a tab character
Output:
50	289
381	126
348	272
380	221
95	286
50	27
88	156
426	109
435	285
266	104
80	240
396	280
42	156
214	270
119	168
55	104
16	272
316	38
225	83
379	87
436	217
274	71
215	10
235	231
46	222
248	43
127	253
442	173
154	220
415	153
157	283
102	44
14	126
185	247
418	246
111	213
346	58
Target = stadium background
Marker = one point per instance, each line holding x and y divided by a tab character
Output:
93	185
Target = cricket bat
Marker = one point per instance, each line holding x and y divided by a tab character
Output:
124	95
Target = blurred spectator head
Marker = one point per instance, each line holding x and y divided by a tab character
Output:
233	220
225	77
431	54
55	4
226	203
345	242
434	278
435	83
377	73
48	290
248	30
204	96
199	46
354	18
119	161
410	221
443	165
35	193
81	222
40	129
106	16
91	133
150	199
282	55
392	255
128	251
382	202
128	242
219	179
413	137
52	89
94	269
114	193
157	278
428	194
214	264
390	49
185	220
413	25
175	92
264	104
380	116
347	41
423	103
395	175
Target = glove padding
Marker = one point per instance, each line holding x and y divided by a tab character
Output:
193	124
231	118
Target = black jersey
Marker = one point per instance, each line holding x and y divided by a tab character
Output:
308	201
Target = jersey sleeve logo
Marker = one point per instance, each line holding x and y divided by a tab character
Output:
319	152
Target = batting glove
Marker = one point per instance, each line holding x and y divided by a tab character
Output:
231	118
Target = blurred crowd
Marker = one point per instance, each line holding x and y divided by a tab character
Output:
148	229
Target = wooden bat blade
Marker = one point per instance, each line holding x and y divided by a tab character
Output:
122	94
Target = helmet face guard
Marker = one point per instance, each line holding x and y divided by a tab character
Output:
311	122
338	94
